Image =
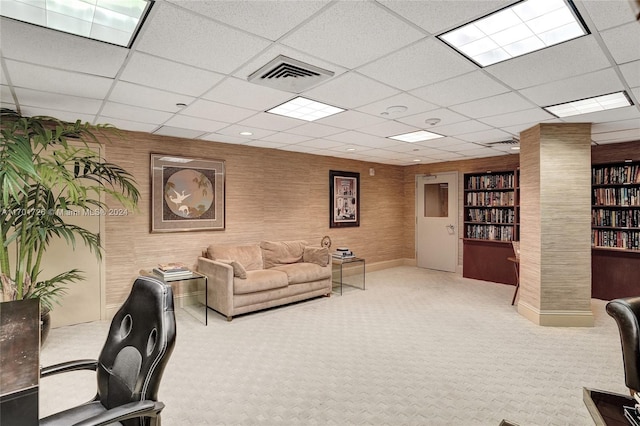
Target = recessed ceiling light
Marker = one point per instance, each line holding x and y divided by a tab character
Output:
246	133
350	149
515	148
417	160
419	136
522	28
115	22
597	103
305	109
432	121
394	109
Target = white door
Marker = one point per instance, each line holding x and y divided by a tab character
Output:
436	221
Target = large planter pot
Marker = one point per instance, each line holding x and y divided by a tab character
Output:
45	324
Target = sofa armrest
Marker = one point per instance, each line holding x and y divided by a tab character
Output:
220	276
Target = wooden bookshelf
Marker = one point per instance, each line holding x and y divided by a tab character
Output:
491	213
615	232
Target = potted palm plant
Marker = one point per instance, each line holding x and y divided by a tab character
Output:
42	178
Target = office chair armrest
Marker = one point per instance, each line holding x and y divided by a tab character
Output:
132	410
63	367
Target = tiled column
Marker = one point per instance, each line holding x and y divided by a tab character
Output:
555	218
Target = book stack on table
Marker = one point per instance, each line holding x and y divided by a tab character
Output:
172	270
343	253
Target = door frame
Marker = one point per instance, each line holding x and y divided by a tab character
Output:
455	220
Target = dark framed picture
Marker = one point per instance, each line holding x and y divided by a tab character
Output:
344	199
187	194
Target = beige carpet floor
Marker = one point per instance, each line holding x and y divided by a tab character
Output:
417	347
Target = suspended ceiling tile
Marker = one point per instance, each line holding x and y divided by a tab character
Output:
261	143
350	90
607	14
217	111
444	155
557	62
580	87
440	143
412	104
55	101
183	36
285	138
303	149
359	138
127	112
446	117
617	39
519	117
315	130
133	94
485	136
263	18
168	75
519	128
460	146
265	120
465	88
626	113
352	120
241	93
178	132
437	15
235	129
631	73
426	62
194	123
348	33
217	137
617	136
321	144
71	117
615	126
127	124
459	128
37	45
57	81
388	128
480	152
500	104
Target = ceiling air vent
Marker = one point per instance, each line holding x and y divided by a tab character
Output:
512	141
289	74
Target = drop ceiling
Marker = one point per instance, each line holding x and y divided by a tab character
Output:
186	75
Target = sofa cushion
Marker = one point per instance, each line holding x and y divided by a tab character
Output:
260	280
276	253
238	269
303	272
249	256
317	255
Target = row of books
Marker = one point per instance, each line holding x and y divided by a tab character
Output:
616	196
616	218
502	181
490	199
490	232
491	215
616	174
629	240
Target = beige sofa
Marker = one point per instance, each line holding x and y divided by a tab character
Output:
247	278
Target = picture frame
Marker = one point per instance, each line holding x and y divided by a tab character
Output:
187	194
344	199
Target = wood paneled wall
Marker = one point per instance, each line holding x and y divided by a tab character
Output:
270	195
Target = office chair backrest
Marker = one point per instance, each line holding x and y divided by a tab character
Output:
140	341
626	313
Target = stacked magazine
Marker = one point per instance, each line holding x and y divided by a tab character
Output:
172	270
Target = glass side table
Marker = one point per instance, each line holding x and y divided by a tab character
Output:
191	292
347	272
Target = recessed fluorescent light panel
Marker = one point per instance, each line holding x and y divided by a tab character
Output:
111	21
584	106
305	109
419	136
525	27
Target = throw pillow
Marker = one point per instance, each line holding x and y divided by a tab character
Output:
317	255
238	269
275	253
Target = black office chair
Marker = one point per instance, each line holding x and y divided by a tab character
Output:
626	313
130	366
